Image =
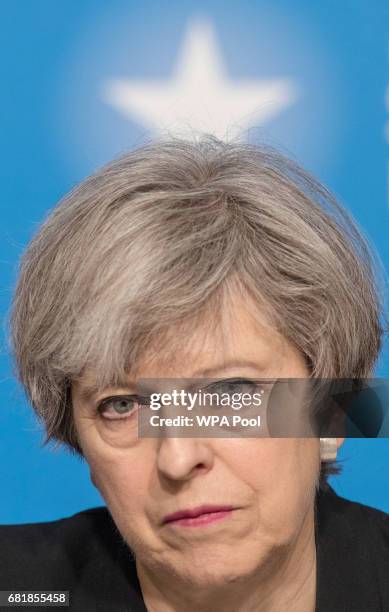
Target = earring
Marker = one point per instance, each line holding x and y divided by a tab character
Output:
328	449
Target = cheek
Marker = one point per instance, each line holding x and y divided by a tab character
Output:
122	476
113	470
291	463
294	469
126	481
283	480
114	478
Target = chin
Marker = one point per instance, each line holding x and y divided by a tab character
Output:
214	566
216	575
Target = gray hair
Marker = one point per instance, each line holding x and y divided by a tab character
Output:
153	239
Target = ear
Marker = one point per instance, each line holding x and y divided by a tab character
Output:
339	442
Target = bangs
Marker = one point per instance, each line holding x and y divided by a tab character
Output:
171	339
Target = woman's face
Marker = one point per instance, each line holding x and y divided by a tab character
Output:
267	484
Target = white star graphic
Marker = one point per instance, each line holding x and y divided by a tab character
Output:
200	97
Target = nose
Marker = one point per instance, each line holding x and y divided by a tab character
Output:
184	458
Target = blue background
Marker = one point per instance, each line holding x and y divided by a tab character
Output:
55	130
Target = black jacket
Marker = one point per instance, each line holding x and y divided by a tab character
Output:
85	554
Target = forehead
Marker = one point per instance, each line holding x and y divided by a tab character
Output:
239	334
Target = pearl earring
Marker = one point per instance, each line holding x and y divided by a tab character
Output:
328	449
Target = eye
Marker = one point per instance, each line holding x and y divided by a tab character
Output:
120	406
233	385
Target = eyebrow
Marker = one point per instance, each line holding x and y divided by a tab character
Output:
227	365
88	391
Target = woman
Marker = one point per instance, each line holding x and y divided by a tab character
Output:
185	260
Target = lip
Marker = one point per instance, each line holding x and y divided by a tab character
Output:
199	516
